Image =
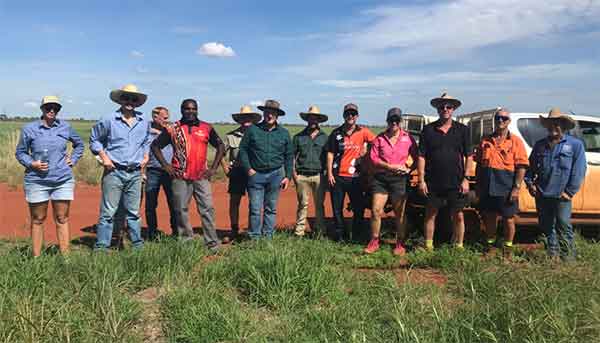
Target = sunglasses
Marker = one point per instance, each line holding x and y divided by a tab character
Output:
446	107
129	98
350	114
394	121
501	118
53	108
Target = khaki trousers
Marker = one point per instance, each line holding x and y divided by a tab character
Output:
316	185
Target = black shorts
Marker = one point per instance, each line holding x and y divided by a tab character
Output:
499	205
454	200
393	185
238	181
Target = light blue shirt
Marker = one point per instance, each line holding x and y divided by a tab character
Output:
125	145
35	138
558	169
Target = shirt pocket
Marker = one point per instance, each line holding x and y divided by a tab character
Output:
565	160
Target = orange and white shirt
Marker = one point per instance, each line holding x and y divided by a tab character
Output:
347	149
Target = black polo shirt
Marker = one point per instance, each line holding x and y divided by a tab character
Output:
444	154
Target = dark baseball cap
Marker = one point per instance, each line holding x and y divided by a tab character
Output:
394	112
350	108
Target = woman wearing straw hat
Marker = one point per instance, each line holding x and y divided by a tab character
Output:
122	141
309	158
42	150
557	167
238	179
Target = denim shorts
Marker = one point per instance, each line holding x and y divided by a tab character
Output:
35	192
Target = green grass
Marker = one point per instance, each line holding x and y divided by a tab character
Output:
297	290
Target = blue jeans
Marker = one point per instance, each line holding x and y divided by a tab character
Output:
117	184
554	218
155	178
263	192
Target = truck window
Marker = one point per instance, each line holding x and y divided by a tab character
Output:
589	132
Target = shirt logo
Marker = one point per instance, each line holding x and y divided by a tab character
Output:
567	148
199	133
339	137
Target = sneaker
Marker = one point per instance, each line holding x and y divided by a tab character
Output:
372	247
399	250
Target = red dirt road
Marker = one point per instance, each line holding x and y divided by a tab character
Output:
14	213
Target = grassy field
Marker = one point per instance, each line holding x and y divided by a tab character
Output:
292	290
87	170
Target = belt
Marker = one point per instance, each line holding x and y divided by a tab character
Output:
309	173
127	168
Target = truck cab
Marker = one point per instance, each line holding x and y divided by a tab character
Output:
586	203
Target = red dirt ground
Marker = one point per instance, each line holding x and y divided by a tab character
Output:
14	213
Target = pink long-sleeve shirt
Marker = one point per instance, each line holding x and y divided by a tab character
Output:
383	149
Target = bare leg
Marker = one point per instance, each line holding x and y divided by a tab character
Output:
430	214
490	220
60	210
400	220
38	216
509	229
458	218
379	201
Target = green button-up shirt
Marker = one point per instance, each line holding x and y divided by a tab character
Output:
264	150
309	152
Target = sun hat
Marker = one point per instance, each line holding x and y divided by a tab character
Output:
130	89
246	114
50	99
555	114
314	111
273	106
445	98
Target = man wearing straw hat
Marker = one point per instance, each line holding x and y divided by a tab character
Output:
444	157
267	156
309	156
190	138
557	170
121	141
238	178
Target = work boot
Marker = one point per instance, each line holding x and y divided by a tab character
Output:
372	247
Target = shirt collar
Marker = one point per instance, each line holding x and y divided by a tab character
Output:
56	122
356	129
263	126
306	133
438	123
138	115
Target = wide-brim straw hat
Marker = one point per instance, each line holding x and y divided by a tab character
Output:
445	98
131	89
246	114
555	114
314	111
272	105
50	99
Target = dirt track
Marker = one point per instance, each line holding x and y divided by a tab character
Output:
14	213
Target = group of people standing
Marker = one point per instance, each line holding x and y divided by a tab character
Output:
261	159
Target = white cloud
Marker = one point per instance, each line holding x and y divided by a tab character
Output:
87	103
565	71
31	104
136	54
400	35
186	30
215	49
257	103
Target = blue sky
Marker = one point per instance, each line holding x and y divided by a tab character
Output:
525	55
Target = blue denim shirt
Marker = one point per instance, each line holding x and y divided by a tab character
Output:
167	152
35	137
557	170
125	145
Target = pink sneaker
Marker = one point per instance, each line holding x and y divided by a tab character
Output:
399	250
372	247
